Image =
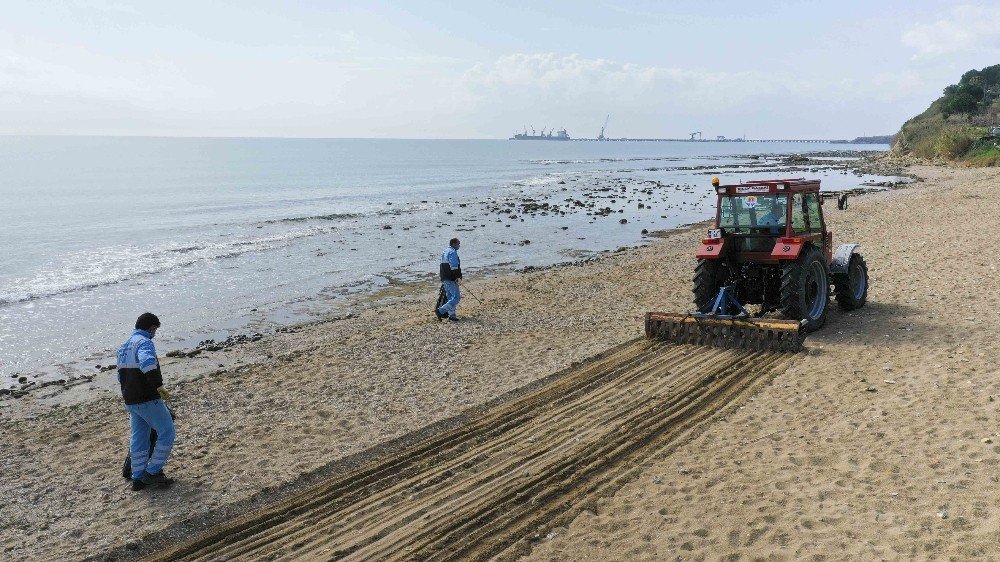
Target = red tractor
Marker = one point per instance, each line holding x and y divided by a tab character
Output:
771	249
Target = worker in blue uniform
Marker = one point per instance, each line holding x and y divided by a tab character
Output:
775	218
451	276
143	391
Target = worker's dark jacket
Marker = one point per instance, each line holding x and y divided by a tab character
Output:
451	266
138	369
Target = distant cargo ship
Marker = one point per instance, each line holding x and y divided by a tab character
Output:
560	135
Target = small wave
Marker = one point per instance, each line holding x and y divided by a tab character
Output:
410	208
327	217
548	162
186	250
537	181
108	266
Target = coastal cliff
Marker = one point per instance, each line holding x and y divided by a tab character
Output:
961	125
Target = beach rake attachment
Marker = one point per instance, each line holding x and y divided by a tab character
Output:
717	328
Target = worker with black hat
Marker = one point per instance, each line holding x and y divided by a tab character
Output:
450	268
142	388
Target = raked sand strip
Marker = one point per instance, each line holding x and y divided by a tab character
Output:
478	491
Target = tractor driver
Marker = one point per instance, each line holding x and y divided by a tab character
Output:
775	218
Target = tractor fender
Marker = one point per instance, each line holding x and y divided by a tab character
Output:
842	257
710	249
787	248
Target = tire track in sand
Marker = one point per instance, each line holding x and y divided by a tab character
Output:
486	489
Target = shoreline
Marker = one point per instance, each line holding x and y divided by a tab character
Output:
236	353
75	379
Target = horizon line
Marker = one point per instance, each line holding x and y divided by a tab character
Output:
283	137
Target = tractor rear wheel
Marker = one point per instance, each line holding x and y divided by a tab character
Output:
852	286
708	279
805	289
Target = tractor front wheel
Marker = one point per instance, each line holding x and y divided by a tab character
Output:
708	279
805	289
852	286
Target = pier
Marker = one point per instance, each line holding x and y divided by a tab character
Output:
812	141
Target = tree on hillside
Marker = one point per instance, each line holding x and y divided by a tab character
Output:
953	125
988	76
974	92
962	98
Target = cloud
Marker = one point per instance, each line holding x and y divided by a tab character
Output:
964	28
554	80
57	89
546	89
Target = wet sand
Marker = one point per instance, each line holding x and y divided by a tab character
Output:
810	463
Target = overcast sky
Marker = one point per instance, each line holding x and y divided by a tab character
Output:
480	70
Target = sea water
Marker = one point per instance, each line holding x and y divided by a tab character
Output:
226	235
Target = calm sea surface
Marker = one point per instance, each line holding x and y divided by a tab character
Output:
225	235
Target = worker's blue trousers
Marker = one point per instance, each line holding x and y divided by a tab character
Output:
146	416
454	295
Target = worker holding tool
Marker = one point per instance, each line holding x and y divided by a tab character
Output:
451	276
142	389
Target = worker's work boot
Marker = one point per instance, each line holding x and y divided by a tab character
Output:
137	484
453	318
156	480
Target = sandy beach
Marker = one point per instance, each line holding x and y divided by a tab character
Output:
880	441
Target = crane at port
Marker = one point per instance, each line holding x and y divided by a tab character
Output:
696	133
601	136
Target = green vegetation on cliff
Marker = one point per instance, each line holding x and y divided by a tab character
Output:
959	124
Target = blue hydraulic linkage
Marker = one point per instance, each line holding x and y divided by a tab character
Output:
724	303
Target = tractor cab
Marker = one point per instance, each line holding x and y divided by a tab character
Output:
767	221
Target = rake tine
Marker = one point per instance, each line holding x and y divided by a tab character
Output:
762	335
